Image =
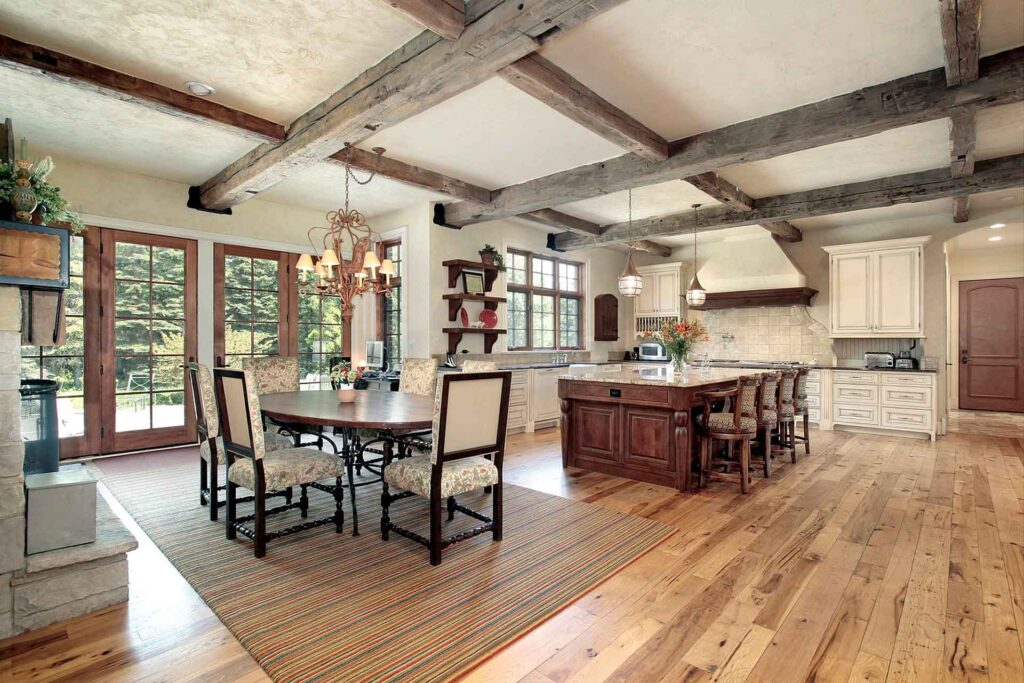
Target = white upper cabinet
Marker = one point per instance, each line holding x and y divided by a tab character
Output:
660	295
876	288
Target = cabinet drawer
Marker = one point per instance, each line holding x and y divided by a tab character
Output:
907	397
855	415
854	377
911	380
813	388
906	418
517	395
813	401
620	392
519	376
859	394
814	376
516	416
813	415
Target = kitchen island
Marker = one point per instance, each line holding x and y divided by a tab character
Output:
638	424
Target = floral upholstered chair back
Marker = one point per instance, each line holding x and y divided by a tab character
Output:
273	374
419	376
479	366
239	404
472	411
205	397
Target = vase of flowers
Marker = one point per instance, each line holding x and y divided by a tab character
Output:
343	379
23	185
678	338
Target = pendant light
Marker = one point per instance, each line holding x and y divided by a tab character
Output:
630	282
695	294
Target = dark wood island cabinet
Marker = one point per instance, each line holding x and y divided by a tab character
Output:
637	424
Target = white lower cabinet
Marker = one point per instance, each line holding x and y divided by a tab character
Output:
866	398
519	401
546	406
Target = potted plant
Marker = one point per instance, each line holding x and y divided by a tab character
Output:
492	257
344	378
51	206
678	338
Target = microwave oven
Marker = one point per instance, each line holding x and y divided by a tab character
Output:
652	350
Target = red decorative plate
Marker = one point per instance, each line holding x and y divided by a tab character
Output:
464	317
489	318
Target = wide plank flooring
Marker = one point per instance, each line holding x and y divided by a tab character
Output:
872	559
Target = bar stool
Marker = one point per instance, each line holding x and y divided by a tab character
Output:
767	418
787	412
800	409
738	425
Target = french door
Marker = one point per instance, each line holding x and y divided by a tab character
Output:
254	304
148	332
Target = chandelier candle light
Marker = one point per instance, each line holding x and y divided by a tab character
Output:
695	293
630	282
329	273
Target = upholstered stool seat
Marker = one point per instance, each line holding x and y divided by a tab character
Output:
801	405
289	467
769	417
273	440
726	422
457	476
787	410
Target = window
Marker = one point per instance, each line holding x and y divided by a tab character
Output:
321	336
544	302
66	364
389	308
250	324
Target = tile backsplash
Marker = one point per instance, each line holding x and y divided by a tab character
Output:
766	334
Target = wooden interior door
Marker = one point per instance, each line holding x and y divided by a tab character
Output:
992	345
148	320
254	304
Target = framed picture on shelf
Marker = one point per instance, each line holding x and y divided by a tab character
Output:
473	283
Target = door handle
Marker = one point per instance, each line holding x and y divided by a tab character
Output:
963	356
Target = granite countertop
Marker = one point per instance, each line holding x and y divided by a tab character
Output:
812	366
691	377
544	366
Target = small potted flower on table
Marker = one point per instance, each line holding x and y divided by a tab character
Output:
344	379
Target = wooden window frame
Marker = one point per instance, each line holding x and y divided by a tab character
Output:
396	281
557	294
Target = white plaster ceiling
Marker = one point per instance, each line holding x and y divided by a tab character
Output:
1000	130
1012	236
1002	25
72	122
323	187
686	67
272	59
654	200
903	150
493	135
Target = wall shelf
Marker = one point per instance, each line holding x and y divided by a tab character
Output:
457	266
455	336
455	302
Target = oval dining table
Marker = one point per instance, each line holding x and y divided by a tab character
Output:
385	412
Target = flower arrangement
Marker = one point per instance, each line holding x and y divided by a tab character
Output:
678	337
345	374
52	206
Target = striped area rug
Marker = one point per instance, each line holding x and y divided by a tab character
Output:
327	607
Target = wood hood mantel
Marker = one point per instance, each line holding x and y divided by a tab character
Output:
754	298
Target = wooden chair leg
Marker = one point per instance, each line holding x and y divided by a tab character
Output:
702	474
451	507
497	512
260	505
203	485
791	435
767	448
231	510
744	465
435	528
807	434
214	483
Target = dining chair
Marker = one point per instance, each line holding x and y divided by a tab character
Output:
738	425
470	418
787	411
419	376
211	445
801	407
251	466
767	419
273	374
479	366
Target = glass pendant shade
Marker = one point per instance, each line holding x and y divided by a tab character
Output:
305	262
630	282
695	293
330	258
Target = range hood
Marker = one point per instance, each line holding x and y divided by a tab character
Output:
754	298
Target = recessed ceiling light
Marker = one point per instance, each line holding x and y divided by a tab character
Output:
996	226
995	238
200	89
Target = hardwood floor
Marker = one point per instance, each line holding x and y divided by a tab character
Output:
872	559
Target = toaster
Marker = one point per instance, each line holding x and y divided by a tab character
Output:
879	359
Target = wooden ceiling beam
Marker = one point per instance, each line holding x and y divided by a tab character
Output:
563	221
655	248
962	141
989	175
419	75
960	21
409	174
868	111
36	60
553	86
716	186
446	18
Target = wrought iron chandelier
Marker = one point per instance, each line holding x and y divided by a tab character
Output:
329	273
